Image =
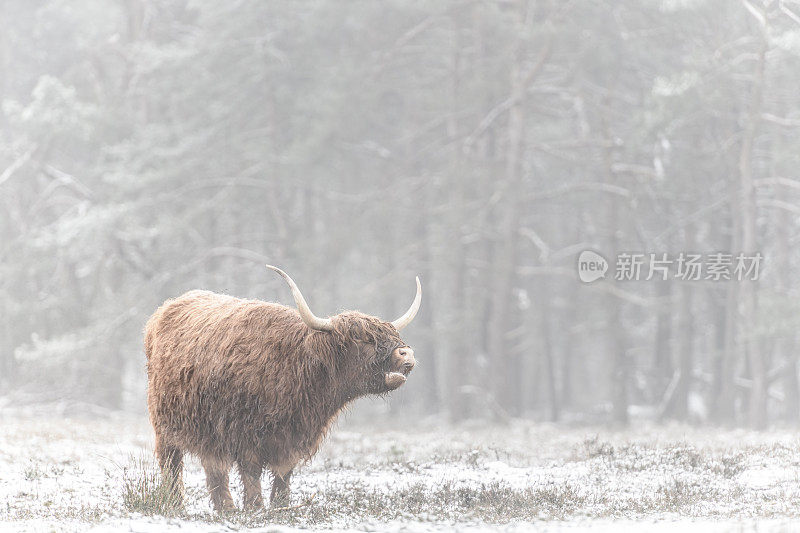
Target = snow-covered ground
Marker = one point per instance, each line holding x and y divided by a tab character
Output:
70	474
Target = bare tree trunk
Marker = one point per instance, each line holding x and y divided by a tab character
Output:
504	382
685	353
5	65
569	316
619	366
547	353
452	281
662	363
430	310
7	360
757	415
728	350
784	348
731	355
616	344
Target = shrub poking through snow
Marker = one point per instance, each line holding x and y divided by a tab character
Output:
145	490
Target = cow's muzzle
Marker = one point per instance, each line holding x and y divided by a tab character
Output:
402	362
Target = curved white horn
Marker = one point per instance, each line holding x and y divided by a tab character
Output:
311	320
406	319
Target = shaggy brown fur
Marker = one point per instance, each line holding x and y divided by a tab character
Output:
247	382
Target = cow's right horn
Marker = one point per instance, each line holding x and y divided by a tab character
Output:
311	320
409	315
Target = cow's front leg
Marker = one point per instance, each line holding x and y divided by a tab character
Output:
281	494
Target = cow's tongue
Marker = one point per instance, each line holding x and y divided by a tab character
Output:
394	380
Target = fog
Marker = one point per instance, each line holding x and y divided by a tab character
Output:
150	147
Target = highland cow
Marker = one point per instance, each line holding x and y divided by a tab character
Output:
258	384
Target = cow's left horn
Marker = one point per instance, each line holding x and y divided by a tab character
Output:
406	319
311	320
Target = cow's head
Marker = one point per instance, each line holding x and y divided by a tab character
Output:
376	357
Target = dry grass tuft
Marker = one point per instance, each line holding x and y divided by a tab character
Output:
145	491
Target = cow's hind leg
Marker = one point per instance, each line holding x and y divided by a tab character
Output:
281	494
217	483
170	460
250	473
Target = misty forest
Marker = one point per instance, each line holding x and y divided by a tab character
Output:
151	147
154	147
